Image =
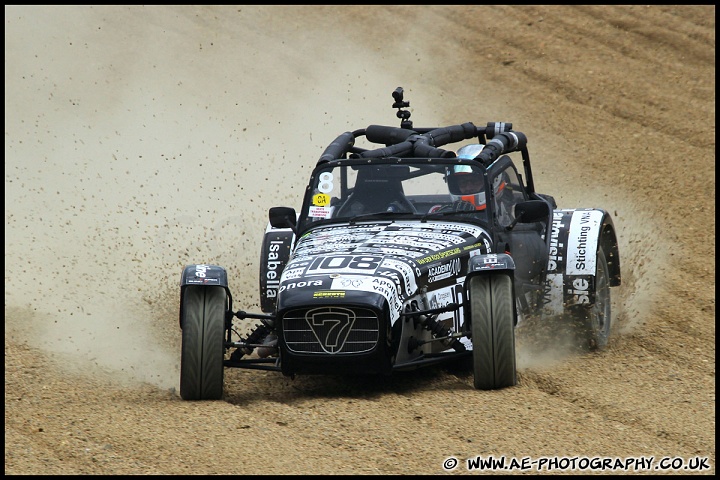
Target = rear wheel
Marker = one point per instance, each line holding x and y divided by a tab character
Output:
203	327
594	321
493	331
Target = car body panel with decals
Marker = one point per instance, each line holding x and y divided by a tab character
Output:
393	264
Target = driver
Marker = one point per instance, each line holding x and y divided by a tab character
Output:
466	186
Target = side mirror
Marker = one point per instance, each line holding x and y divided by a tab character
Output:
532	211
283	217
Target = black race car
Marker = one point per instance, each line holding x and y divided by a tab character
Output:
403	256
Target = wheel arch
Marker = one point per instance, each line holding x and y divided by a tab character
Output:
488	264
203	275
608	242
570	277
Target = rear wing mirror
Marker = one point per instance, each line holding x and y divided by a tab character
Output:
532	211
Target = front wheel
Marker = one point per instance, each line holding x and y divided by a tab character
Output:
493	331
203	327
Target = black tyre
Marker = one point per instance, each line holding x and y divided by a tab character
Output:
594	321
493	331
203	328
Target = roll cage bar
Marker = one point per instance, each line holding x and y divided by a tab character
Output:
408	142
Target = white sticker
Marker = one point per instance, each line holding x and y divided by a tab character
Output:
291	274
349	282
406	273
554	295
325	184
582	242
380	285
320	212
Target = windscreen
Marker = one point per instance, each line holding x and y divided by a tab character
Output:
380	190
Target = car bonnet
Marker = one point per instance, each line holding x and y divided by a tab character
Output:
386	258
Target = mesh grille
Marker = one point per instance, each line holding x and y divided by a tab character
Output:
334	330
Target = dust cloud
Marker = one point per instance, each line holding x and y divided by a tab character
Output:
139	139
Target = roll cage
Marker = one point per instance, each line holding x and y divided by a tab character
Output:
407	141
421	147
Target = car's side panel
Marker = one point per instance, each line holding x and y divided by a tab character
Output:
574	238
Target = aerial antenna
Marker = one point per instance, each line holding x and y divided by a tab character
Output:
403	115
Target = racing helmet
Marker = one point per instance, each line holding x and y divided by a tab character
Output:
464	183
469	152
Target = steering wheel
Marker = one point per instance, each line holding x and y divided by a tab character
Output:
399	204
458	206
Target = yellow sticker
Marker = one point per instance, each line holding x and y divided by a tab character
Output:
321	199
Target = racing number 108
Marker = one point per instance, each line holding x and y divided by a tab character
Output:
346	263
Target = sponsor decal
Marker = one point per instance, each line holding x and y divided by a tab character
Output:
380	285
347	282
438	256
458	228
478	246
328	247
404	241
332	240
426	230
444	270
582	242
477	251
202	274
490	261
442	236
324	238
360	282
361	264
321	199
329	294
348	229
202	280
387	289
200	270
303	284
330	327
291	274
273	265
556	248
405	271
553	294
405	251
580	291
299	261
393	275
325	182
443	297
320	212
491	258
